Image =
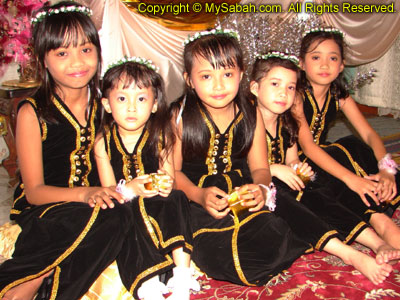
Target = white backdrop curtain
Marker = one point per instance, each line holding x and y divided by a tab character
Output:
123	32
384	91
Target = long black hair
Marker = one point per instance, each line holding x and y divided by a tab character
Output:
260	69
338	86
221	51
55	31
159	125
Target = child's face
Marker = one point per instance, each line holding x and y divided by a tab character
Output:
324	63
215	87
276	91
131	107
72	67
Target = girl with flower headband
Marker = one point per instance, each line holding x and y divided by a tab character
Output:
67	239
221	164
137	141
364	176
273	82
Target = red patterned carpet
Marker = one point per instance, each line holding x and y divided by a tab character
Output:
312	276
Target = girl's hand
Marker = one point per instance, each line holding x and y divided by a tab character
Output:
253	196
305	169
386	188
288	175
215	202
102	196
137	184
363	186
164	184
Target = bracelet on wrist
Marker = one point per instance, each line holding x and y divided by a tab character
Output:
126	192
388	164
270	196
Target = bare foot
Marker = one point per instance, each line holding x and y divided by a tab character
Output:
387	254
26	290
375	272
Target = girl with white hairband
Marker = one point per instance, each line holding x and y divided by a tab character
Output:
67	237
273	82
362	175
136	148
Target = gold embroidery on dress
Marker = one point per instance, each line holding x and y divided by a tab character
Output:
126	157
395	200
355	230
317	131
56	283
324	238
213	147
147	222
63	256
20	196
359	171
47	209
73	154
107	140
41	122
209	161
158	230
271	157
229	182
230	139
149	271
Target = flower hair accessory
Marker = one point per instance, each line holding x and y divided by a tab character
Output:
140	60
128	193
293	58
324	29
215	31
388	164
64	9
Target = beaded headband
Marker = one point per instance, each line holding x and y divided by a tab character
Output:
324	29
215	31
64	9
140	60
281	55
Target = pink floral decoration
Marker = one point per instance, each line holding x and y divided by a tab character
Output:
15	31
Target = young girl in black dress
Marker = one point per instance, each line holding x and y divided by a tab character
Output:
365	178
273	81
254	244
66	237
136	142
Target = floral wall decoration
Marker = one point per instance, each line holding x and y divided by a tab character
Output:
15	31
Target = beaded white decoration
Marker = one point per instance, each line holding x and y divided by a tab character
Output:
64	9
281	55
215	31
324	29
140	60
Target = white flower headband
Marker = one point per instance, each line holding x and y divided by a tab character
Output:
293	58
64	9
215	31
324	29
140	60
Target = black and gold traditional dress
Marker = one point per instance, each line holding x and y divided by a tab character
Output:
321	212
165	219
76	241
349	151
248	250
